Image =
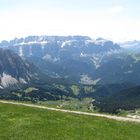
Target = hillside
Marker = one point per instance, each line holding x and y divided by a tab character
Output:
14	70
22	123
127	99
22	80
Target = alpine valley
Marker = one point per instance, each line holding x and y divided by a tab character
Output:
57	68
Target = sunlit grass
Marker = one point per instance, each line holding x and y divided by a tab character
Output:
26	123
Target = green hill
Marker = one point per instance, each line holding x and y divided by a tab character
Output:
25	123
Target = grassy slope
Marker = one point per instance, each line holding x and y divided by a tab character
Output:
25	123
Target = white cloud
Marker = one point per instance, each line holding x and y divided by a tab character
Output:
116	9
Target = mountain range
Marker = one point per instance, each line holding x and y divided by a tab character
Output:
71	57
56	67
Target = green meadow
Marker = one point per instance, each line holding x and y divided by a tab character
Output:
26	123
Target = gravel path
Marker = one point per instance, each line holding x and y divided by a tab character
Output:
75	112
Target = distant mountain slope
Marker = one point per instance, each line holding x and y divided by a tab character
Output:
120	68
21	80
14	70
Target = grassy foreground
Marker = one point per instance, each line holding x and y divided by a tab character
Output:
25	123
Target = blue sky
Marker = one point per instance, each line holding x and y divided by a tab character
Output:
118	20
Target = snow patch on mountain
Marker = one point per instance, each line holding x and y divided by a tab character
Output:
20	51
31	43
7	80
67	43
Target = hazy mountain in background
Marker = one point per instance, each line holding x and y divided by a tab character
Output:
41	45
132	46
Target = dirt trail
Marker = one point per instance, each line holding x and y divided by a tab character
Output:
75	112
